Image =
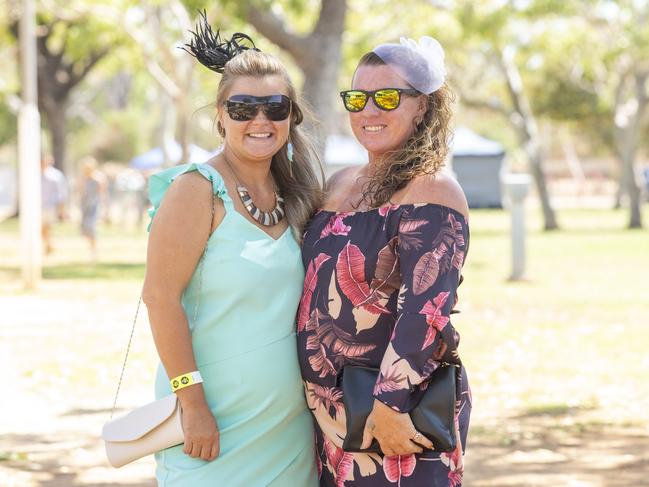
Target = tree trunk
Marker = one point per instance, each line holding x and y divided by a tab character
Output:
528	133
56	122
633	190
626	141
318	55
536	167
57	77
631	101
55	117
319	89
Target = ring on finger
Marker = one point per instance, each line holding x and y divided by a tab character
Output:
418	436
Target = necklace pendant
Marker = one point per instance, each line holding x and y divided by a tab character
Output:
265	218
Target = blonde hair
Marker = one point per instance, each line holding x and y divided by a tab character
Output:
297	180
425	152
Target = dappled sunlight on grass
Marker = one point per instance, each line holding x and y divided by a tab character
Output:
556	362
574	334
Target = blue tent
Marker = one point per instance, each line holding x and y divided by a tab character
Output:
155	157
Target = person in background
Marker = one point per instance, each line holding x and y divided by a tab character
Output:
92	187
54	196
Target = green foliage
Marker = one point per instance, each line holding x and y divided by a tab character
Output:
8	124
118	139
567	53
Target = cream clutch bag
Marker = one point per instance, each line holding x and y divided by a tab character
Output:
149	428
143	431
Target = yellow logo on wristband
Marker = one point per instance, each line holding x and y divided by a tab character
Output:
185	380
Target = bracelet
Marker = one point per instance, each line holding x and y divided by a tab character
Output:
185	380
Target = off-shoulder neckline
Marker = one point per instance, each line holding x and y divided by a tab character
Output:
392	207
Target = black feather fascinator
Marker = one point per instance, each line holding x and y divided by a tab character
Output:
211	50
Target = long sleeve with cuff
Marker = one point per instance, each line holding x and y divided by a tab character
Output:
431	248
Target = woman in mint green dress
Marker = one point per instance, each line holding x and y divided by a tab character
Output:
224	279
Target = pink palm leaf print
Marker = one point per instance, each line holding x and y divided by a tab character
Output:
330	398
458	253
445	253
430	366
453	460
320	363
341	344
457	228
434	317
335	226
387	277
310	281
314	320
426	270
384	210
341	462
332	344
409	234
350	271
399	466
392	381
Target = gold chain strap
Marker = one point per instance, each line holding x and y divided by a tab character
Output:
137	310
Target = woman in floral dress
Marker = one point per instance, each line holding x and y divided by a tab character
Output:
383	261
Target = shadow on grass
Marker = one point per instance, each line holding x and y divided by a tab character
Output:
557	409
87	411
103	270
50	467
538	451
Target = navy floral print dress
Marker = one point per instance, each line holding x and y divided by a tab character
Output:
379	291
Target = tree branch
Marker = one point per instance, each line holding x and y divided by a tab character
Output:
332	13
493	104
94	58
272	26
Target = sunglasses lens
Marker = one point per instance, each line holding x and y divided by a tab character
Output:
278	108
354	100
243	108
240	111
387	99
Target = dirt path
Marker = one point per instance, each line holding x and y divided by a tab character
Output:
63	346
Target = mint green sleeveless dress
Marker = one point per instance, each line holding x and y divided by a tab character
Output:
243	335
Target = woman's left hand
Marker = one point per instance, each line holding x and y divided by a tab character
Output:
394	431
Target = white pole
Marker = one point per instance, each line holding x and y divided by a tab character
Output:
517	187
29	149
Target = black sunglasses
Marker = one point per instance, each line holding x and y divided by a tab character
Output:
243	108
386	98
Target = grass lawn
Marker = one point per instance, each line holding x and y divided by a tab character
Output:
557	361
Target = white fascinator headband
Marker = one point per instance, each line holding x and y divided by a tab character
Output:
421	63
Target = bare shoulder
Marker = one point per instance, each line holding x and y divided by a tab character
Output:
441	189
188	202
340	177
339	186
189	191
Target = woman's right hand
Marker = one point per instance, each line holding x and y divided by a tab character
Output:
199	426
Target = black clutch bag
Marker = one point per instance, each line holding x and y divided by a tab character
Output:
433	416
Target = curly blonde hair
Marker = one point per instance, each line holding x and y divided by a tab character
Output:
425	152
